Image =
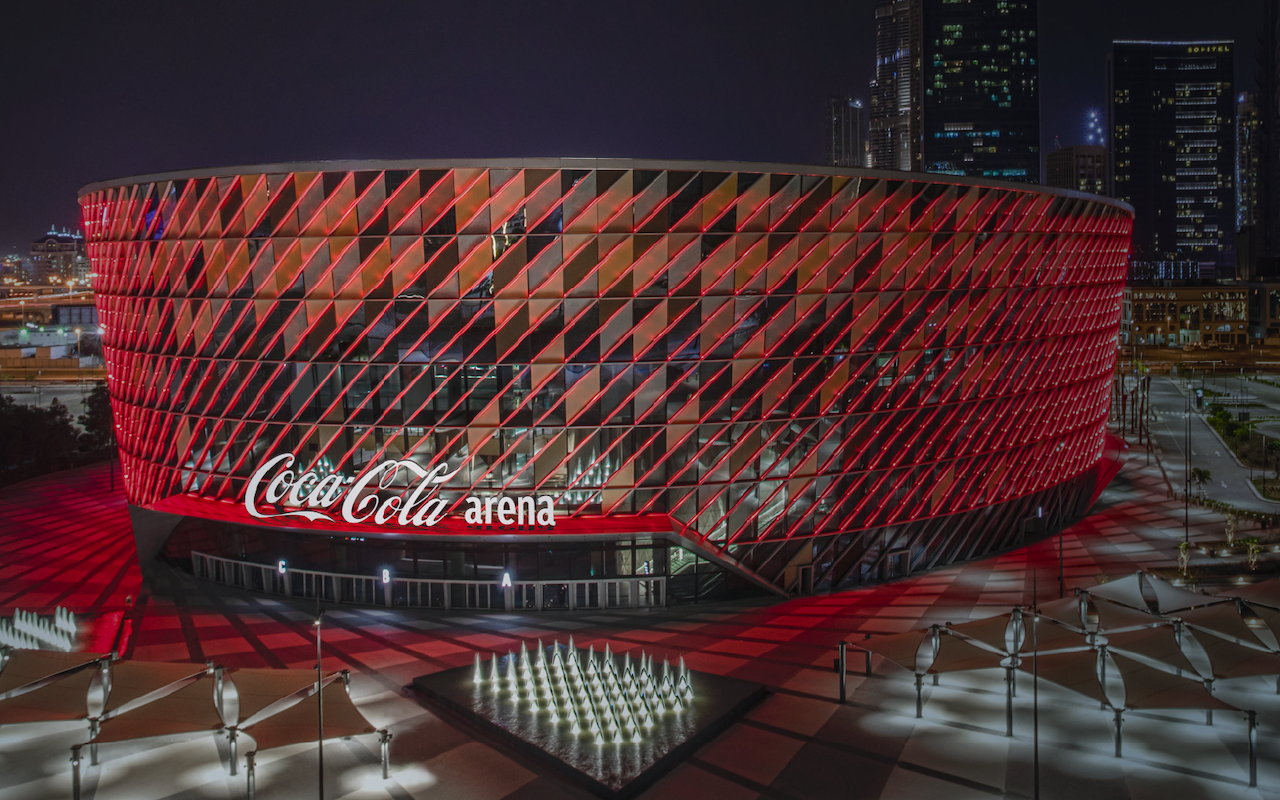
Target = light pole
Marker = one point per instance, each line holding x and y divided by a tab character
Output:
79	374
1186	495
319	699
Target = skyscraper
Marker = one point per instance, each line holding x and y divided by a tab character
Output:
895	92
1258	245
981	98
1082	167
845	125
1173	140
1248	153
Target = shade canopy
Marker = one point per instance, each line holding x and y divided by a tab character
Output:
990	631
902	649
1076	671
258	689
1112	617
1171	598
1223	619
65	697
24	667
187	710
298	722
1231	660
132	680
1126	591
1265	593
1158	644
1149	687
1065	610
1269	616
1051	636
956	655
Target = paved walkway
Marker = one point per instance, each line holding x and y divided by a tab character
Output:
799	744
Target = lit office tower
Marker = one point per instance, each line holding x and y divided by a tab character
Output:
895	92
1173	139
981	103
1248	153
1082	167
845	133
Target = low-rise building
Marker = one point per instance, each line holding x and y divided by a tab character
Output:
1213	315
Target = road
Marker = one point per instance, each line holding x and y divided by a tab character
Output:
1174	434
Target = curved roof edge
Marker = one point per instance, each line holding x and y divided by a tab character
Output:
590	163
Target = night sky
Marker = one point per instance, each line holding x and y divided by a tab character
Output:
104	90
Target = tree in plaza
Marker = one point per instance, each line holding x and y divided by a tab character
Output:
1200	477
96	440
1273	452
34	440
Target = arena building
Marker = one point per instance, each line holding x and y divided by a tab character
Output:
590	382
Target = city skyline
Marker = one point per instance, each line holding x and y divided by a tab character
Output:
521	86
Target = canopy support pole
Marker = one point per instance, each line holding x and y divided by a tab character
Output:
1119	731
1208	712
1102	660
93	746
1008	701
842	668
75	772
218	673
248	772
1253	748
919	696
868	652
384	738
937	645
234	765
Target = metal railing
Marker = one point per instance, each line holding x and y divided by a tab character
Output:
603	593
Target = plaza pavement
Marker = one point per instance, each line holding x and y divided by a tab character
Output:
65	541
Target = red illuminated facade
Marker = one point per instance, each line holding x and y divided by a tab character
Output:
775	367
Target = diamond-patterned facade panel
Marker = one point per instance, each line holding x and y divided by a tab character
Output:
747	356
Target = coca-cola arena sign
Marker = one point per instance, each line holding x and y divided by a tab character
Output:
318	495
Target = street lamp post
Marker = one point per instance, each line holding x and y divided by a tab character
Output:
1186	495
319	699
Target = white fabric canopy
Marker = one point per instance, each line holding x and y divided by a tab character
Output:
25	667
1051	636
298	723
187	710
65	697
957	655
1158	644
1172	598
1076	671
261	689
1231	660
902	649
1265	593
990	631
1148	687
132	680
1112	617
1127	591
1065	610
1223	619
